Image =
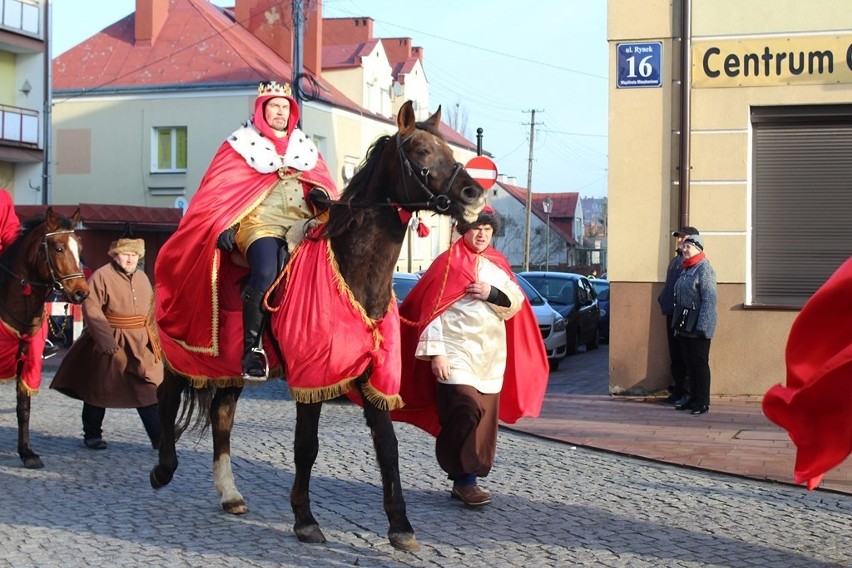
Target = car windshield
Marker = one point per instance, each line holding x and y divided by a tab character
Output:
530	292
602	288
555	290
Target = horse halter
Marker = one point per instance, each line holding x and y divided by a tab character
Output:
441	203
57	279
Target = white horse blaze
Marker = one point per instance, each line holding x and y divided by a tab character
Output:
75	250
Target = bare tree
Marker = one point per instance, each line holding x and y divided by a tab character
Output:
456	118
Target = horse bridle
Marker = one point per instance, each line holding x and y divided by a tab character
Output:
440	203
56	280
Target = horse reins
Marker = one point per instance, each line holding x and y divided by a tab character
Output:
442	202
57	281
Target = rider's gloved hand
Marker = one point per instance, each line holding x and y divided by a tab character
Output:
227	239
319	199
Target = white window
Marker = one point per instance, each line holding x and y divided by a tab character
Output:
168	149
21	15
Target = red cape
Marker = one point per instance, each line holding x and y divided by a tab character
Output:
10	226
525	378
197	302
816	405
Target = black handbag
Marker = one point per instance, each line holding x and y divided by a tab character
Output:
685	319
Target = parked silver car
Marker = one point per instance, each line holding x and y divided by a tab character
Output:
551	324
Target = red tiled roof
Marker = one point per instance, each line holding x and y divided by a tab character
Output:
101	214
346	55
199	45
562	214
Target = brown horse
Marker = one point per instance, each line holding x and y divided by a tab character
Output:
46	257
412	170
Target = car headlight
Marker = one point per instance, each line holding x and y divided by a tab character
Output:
559	323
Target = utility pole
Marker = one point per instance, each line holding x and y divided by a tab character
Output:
298	13
529	192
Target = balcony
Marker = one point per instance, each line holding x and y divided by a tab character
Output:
19	126
21	26
21	15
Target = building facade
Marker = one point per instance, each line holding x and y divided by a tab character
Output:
24	96
140	109
733	117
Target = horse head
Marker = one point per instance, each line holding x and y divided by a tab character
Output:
61	248
432	178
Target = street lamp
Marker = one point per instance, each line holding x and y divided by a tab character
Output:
547	205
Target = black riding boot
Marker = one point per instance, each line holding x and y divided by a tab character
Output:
254	361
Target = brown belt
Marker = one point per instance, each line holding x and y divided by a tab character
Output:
127	322
135	322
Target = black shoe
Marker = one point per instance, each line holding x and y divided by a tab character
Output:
700	410
671	399
683	404
95	443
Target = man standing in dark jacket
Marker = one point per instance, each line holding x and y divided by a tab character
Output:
678	390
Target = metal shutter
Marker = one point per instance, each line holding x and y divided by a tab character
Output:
802	200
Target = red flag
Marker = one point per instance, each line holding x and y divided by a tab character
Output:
815	407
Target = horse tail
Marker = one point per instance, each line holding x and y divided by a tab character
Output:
195	410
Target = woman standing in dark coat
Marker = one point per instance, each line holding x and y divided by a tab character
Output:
694	322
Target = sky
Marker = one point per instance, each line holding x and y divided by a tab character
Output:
488	62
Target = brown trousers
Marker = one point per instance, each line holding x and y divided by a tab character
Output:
468	438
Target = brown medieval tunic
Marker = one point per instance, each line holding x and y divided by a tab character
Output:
117	315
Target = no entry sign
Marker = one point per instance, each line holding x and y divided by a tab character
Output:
483	170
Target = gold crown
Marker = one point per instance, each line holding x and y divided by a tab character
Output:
274	89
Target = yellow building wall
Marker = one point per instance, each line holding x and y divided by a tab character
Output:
7	78
747	354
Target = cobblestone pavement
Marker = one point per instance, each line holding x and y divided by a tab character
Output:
554	504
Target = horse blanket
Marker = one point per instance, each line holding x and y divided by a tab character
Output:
11	342
327	338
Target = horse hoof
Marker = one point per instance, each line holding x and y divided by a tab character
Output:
310	534
404	541
235	507
156	481
33	462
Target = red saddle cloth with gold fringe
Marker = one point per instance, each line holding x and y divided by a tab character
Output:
326	337
10	354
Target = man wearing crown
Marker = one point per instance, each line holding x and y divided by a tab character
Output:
266	182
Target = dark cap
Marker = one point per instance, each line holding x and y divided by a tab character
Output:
685	232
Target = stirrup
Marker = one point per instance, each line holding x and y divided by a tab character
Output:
259	378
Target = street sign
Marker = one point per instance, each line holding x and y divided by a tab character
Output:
482	170
639	65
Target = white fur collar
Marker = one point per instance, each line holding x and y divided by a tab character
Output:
259	151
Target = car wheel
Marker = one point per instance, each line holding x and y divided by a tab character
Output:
574	344
594	343
554	364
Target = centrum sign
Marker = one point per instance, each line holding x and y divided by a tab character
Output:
772	61
639	65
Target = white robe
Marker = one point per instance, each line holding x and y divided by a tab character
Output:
472	335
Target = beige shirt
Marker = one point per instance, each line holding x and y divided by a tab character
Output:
472	335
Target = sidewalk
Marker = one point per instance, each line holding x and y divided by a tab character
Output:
734	437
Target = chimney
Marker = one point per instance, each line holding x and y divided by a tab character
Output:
149	19
272	23
418	53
